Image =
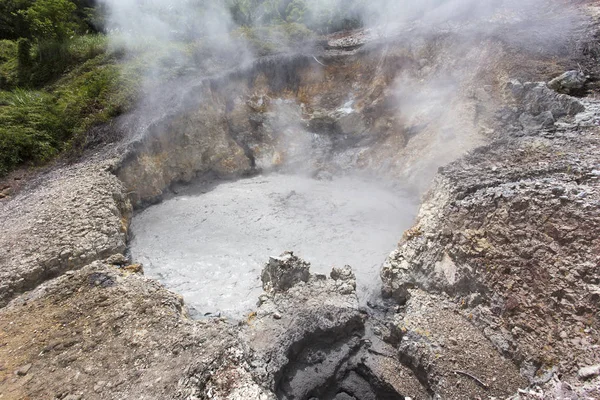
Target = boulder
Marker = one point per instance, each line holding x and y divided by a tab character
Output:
589	372
283	272
568	82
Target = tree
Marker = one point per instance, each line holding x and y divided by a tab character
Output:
51	19
257	12
23	61
12	22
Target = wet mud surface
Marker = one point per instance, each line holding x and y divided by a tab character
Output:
210	247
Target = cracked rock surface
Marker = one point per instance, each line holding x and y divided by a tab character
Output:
104	332
511	232
68	218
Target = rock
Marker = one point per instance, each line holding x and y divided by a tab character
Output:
343	396
99	386
22	371
563	335
474	300
343	274
396	275
117	259
284	272
345	279
544	120
351	124
101	279
135	268
589	372
537	99
317	350
322	122
568	82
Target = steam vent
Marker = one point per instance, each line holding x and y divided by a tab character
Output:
299	199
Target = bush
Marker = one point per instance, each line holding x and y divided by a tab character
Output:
35	126
30	128
53	58
8	64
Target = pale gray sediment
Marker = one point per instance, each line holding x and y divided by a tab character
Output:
210	247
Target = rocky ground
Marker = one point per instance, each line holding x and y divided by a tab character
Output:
513	238
494	293
68	218
104	331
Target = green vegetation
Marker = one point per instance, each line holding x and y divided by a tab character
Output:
58	78
36	125
317	15
266	40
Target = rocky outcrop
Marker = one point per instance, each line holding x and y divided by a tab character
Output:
452	358
282	273
569	83
69	218
538	107
510	232
398	109
309	339
105	332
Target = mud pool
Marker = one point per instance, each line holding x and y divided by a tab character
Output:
210	242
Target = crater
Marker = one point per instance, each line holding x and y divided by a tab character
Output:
326	159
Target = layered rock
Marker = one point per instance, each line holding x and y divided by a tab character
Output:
510	231
67	219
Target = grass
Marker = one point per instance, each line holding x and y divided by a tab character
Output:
74	86
52	59
29	128
8	63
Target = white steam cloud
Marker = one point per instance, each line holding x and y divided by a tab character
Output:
433	97
149	22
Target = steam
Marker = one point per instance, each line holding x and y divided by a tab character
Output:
188	32
189	39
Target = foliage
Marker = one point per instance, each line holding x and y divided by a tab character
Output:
29	128
319	16
48	19
36	125
266	40
12	21
328	16
257	12
51	19
8	64
54	58
23	61
97	91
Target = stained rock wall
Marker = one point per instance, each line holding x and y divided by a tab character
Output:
510	231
